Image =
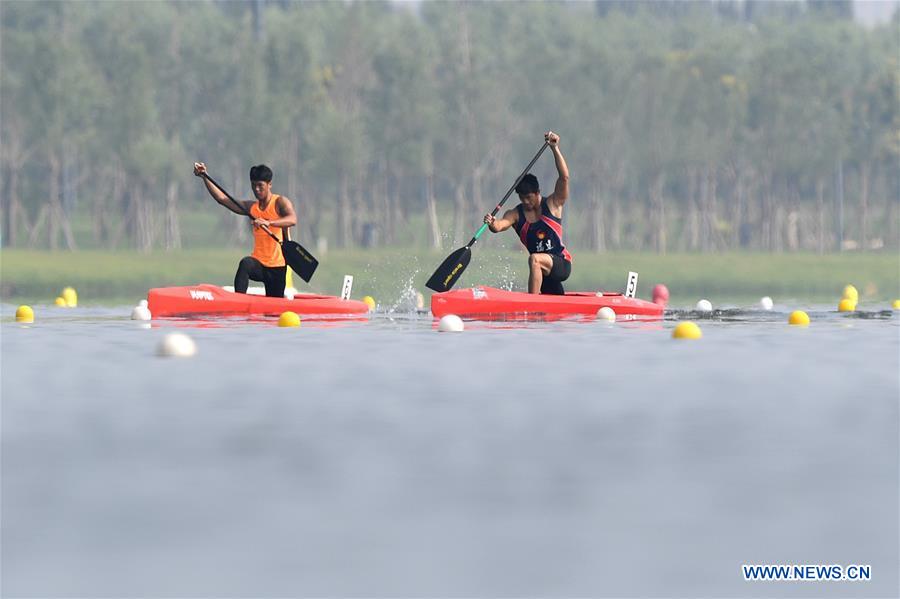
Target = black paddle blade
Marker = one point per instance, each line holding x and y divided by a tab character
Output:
448	273
301	261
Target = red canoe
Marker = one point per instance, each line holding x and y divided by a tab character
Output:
210	299
487	303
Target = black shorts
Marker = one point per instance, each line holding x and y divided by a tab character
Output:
559	272
273	277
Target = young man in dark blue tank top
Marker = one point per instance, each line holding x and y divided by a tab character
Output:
538	221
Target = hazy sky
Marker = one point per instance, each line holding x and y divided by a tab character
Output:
869	12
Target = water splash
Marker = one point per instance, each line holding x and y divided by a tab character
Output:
410	299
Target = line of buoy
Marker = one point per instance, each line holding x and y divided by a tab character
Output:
451	323
704	305
176	345
289	319
799	318
660	294
24	314
849	299
67	298
70	296
141	311
687	330
606	313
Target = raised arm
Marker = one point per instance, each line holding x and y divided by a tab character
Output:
561	191
508	219
218	194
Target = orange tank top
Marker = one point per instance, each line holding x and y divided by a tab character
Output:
266	249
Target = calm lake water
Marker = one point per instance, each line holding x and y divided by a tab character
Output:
383	458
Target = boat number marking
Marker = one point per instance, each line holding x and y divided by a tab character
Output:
348	285
631	287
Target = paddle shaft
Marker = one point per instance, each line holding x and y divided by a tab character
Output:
240	206
508	193
453	266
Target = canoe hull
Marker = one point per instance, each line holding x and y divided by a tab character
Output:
488	303
211	299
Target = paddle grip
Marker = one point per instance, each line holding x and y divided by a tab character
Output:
509	193
520	177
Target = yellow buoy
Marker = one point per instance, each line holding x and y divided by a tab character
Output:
70	296
846	305
289	319
851	293
369	301
896	304
799	318
24	314
59	302
686	330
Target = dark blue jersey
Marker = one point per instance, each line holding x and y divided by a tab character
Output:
543	236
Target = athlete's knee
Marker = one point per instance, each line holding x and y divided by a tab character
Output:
540	262
247	263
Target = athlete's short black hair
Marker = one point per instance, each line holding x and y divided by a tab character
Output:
528	184
261	172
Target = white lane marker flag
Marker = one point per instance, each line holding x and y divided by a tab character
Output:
631	286
348	285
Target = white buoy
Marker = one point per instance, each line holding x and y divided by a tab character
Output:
451	323
606	313
142	303
704	305
177	345
766	303
141	312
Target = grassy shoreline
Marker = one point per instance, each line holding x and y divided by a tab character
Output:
109	278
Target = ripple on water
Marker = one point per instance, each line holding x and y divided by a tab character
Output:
382	458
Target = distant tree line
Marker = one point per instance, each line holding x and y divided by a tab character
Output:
688	126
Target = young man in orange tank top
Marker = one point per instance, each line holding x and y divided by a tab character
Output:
266	263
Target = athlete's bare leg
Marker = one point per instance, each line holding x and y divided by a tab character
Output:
538	265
